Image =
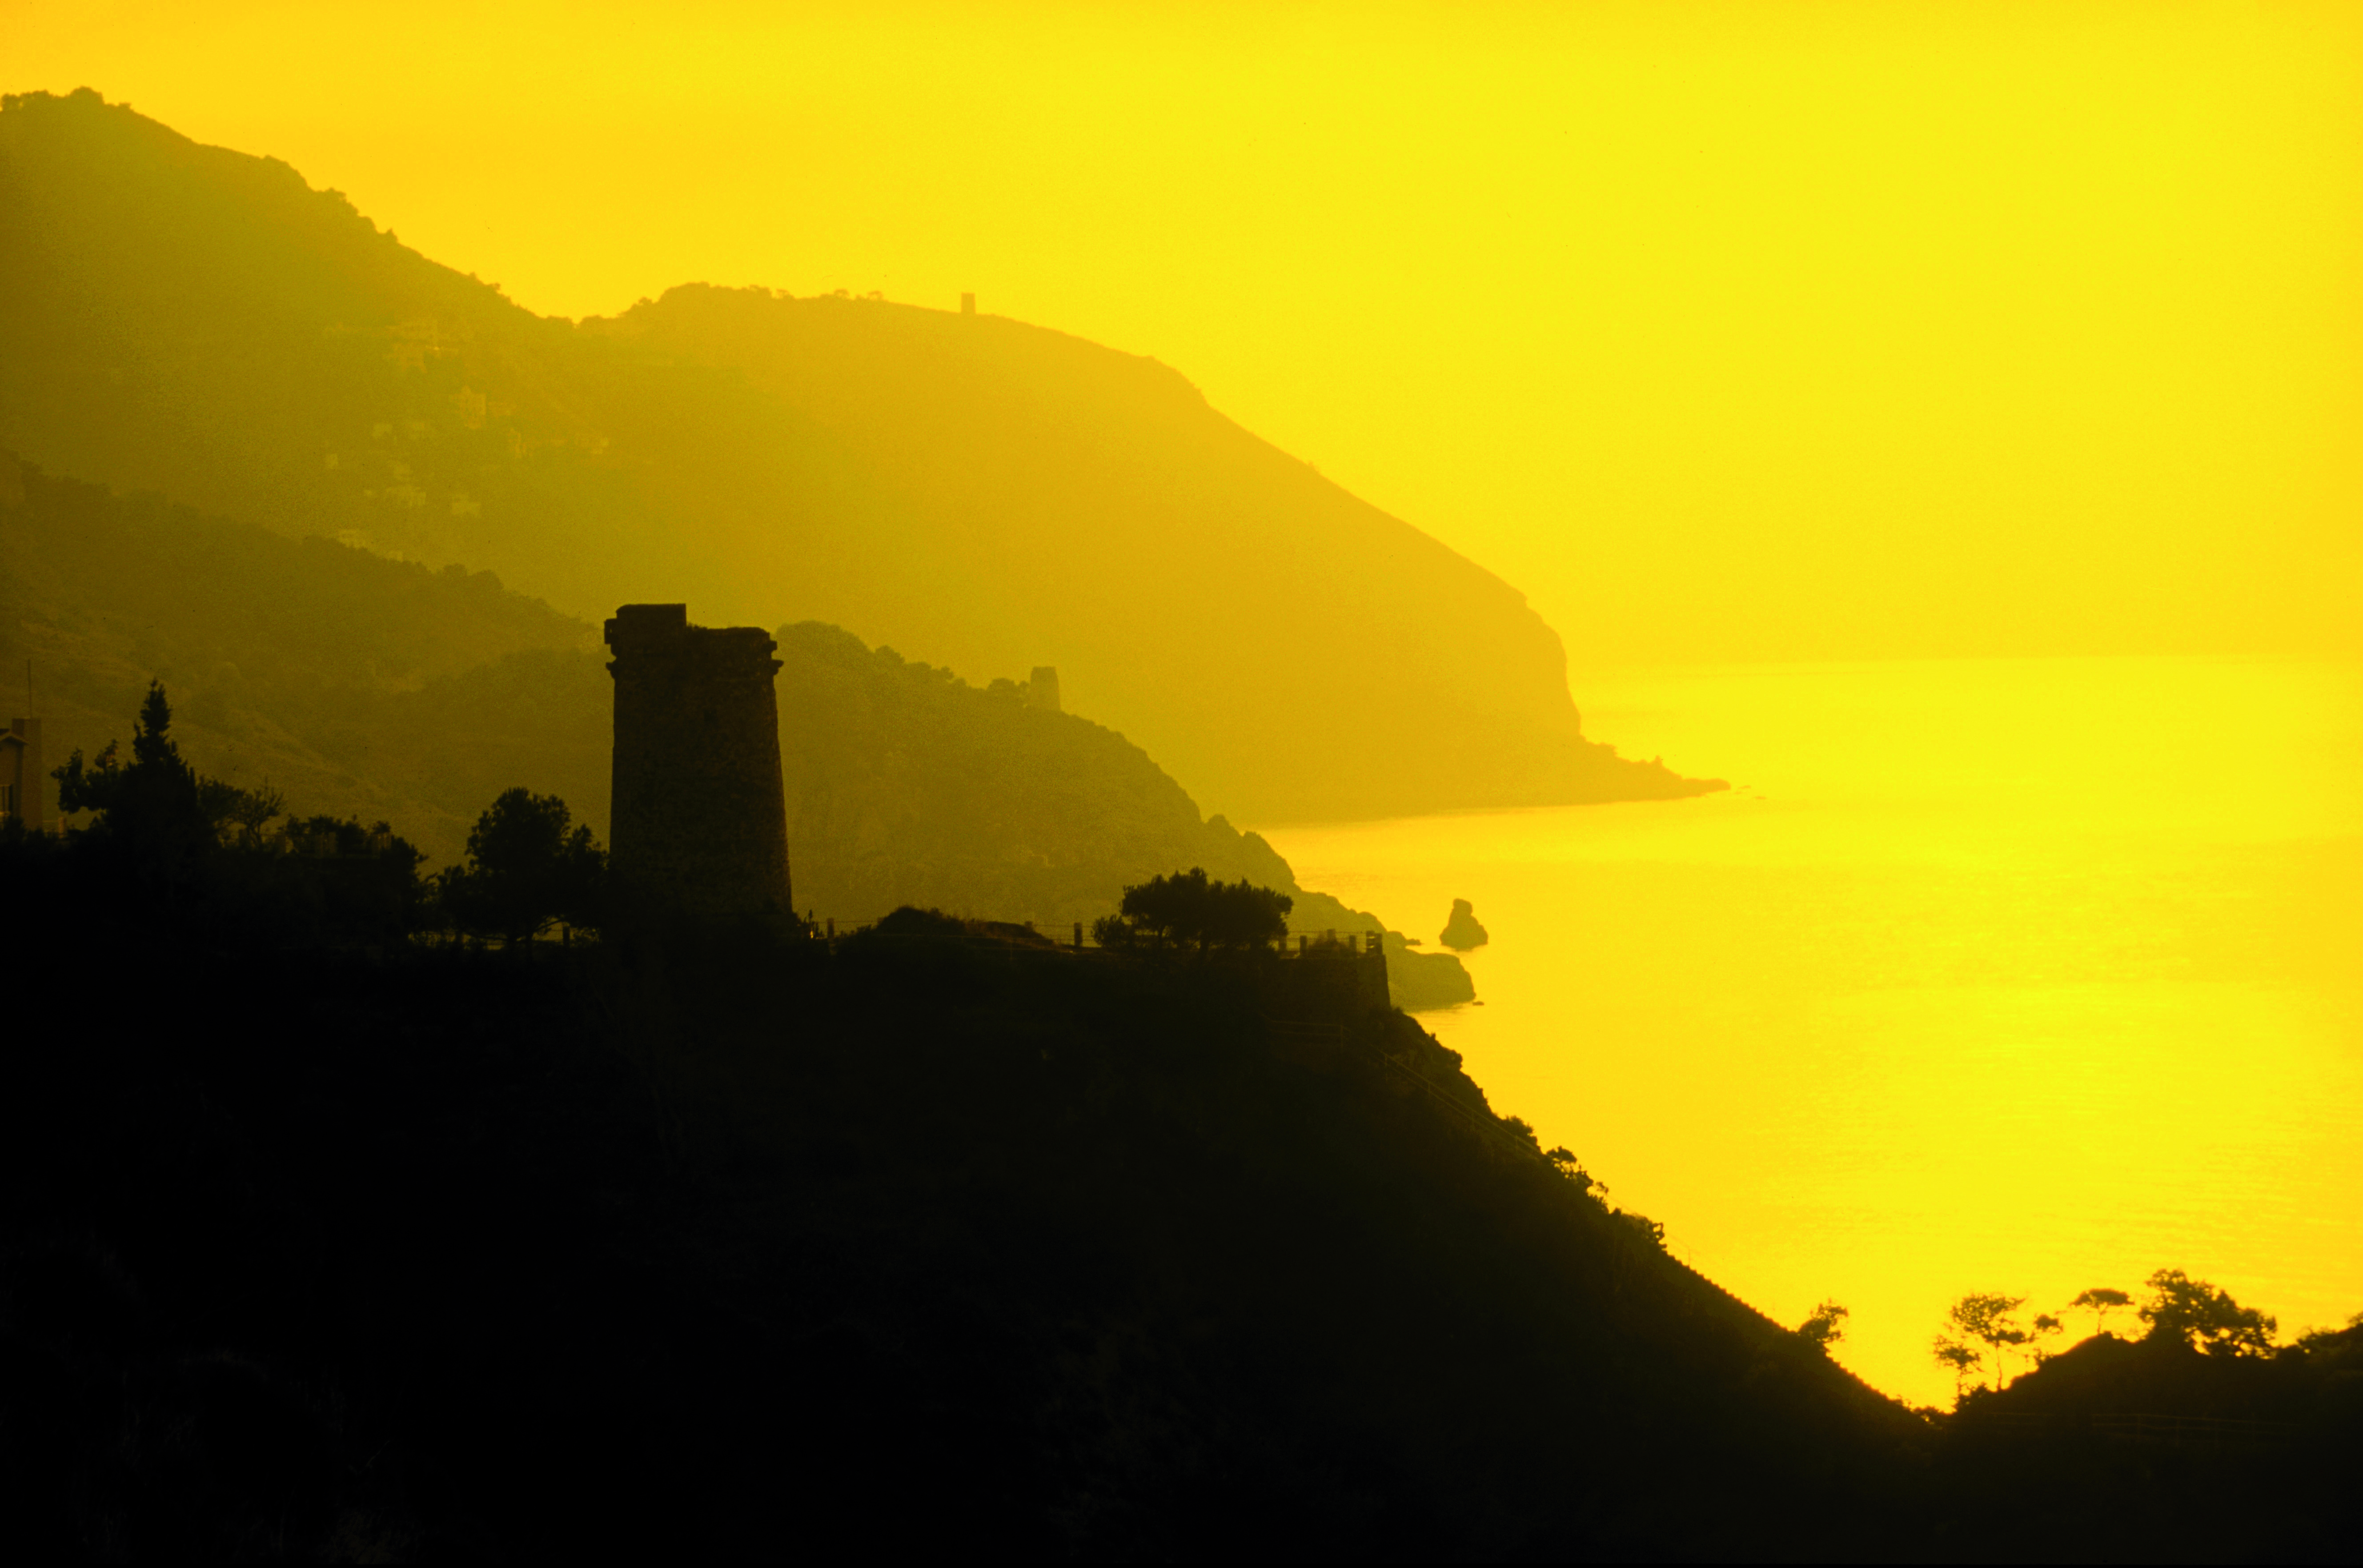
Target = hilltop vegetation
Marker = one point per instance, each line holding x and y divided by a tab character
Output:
907	785
200	324
2125	1450
285	658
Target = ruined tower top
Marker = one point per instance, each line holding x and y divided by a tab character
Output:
699	820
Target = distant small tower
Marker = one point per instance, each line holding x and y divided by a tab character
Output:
699	823
968	304
1042	687
24	785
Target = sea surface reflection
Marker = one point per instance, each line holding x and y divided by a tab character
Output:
2022	976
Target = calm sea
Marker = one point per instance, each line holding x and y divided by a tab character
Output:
2015	975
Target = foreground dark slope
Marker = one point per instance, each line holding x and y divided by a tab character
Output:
197	322
924	1243
924	1246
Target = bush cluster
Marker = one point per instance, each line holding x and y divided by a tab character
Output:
1188	909
162	833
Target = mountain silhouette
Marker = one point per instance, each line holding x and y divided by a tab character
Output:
377	689
986	494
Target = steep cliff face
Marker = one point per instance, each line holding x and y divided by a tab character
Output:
987	494
1289	649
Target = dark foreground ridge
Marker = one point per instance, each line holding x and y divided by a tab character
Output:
924	1241
916	1242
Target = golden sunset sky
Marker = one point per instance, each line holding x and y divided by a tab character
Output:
1726	331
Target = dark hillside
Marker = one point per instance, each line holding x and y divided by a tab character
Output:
199	323
925	1245
2126	1450
934	1238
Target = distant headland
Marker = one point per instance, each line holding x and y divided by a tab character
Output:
199	323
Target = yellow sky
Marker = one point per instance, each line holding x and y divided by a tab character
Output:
1726	331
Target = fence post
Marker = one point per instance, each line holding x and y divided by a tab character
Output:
1079	936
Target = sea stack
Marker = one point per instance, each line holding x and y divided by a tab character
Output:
1462	932
699	823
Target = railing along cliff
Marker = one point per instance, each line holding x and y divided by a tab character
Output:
2207	1433
1297	944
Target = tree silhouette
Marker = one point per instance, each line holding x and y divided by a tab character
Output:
88	786
226	805
253	808
1562	1160
2193	1310
1958	1359
1991	1320
2045	1325
152	810
1187	907
526	871
1823	1328
2100	1301
911	921
152	746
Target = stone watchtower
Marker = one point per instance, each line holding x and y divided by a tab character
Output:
700	822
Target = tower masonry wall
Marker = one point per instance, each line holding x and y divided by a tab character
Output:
699	823
24	776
